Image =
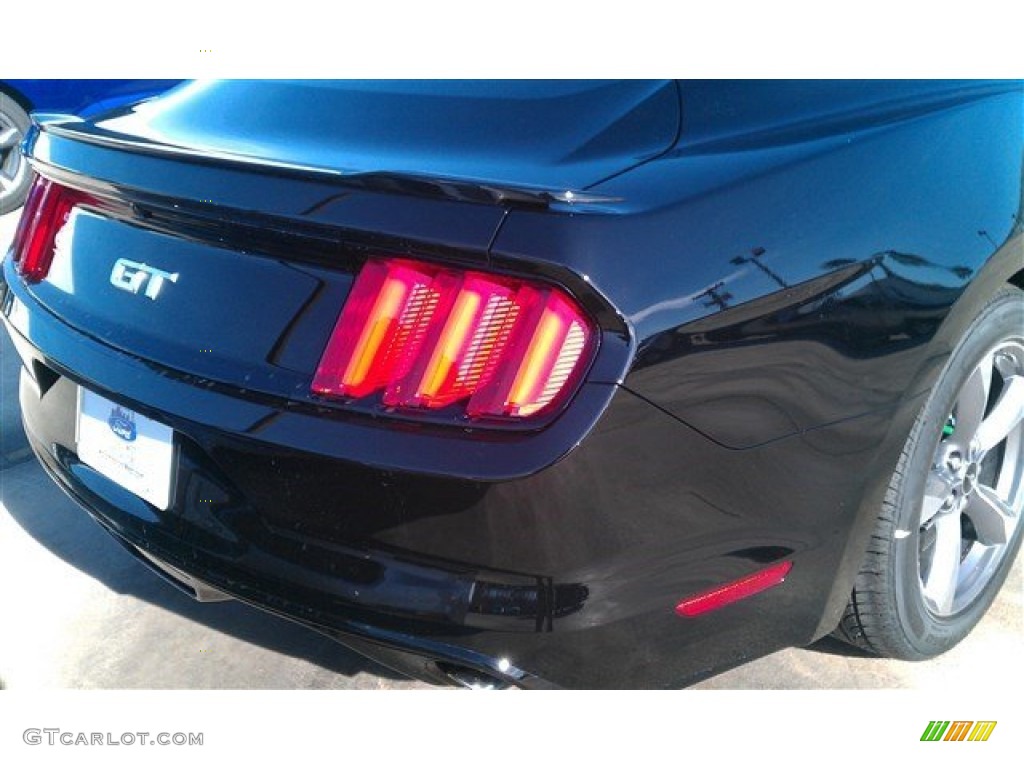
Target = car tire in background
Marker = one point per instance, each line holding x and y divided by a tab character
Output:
15	176
949	528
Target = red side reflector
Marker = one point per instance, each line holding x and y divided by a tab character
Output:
718	597
46	211
423	337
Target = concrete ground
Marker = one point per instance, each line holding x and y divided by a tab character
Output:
79	612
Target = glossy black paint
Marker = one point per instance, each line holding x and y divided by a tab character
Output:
777	289
475	131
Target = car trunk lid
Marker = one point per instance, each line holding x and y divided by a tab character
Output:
537	135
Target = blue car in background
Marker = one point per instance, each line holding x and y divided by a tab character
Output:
81	97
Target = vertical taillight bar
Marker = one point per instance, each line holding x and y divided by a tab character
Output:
421	337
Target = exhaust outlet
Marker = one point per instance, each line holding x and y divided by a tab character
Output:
474	679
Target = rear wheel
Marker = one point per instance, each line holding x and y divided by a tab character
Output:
14	171
949	528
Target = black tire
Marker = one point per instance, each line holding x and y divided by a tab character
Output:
15	177
891	611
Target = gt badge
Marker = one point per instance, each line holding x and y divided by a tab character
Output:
131	276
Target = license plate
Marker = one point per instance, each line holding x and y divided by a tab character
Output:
135	452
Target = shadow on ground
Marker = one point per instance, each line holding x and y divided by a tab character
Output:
835	647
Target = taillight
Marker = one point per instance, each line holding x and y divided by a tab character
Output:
419	337
46	211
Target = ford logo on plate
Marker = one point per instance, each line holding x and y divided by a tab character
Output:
122	424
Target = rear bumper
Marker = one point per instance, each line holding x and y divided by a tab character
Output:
563	575
196	573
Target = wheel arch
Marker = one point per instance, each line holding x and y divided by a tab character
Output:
1001	269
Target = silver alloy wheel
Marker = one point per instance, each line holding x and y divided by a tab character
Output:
14	170
974	492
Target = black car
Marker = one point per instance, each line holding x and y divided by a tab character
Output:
585	384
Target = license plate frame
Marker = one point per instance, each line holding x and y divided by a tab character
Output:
136	452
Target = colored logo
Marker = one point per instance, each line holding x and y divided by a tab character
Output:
958	730
122	424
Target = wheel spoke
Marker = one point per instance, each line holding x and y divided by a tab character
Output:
936	491
1006	414
8	138
940	584
992	517
970	408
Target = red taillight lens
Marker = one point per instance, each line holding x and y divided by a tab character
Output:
28	215
422	337
46	211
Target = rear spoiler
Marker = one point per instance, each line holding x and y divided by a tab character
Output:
415	185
